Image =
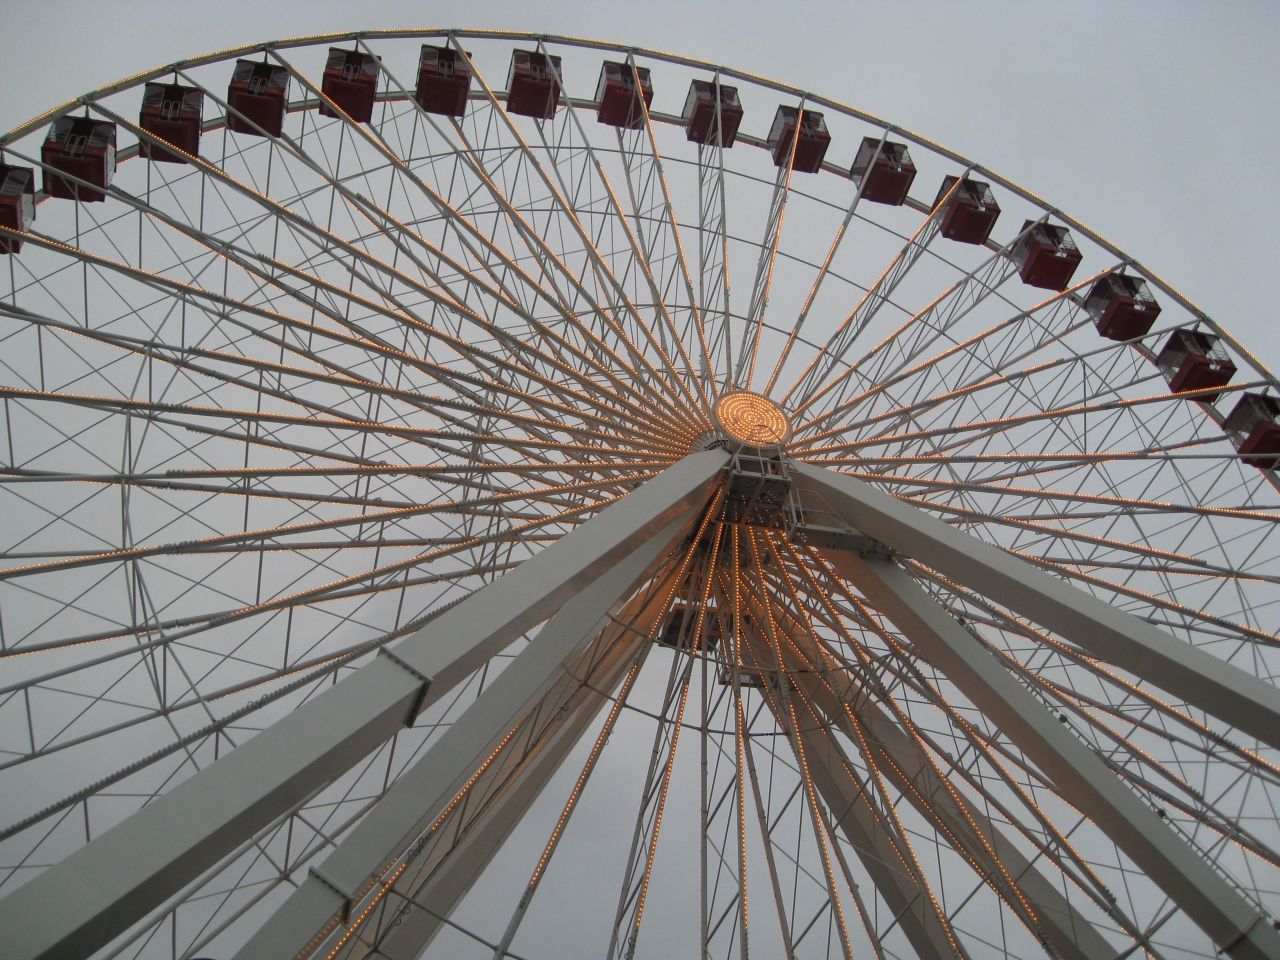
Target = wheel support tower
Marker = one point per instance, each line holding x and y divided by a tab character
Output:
603	590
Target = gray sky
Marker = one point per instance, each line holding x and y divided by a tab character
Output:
1153	122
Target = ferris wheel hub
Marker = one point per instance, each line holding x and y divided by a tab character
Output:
752	420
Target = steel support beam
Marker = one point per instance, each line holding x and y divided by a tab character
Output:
1034	897
114	881
873	838
580	694
1085	781
424	791
1220	689
1052	916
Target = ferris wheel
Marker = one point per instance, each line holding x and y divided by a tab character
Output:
483	494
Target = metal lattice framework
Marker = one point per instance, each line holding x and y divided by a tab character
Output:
376	578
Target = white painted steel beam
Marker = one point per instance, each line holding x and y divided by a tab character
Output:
456	868
103	888
901	761
1080	775
424	791
1224	691
872	837
1068	934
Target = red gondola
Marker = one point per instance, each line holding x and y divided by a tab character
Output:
1194	360
351	81
883	170
700	113
1254	428
617	100
17	203
810	136
971	212
173	113
1046	255
79	147
258	95
533	84
1121	306
444	80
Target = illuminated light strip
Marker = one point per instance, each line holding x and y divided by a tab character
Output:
387	884
1155	600
1019	419
1051	494
936	399
578	786
678	722
567	210
694	306
821	828
1057	461
1061	533
784	176
903	375
907	850
700	402
739	725
1073	567
15	475
422	435
970	733
194	546
451	302
128	403
856	367
874	289
830	665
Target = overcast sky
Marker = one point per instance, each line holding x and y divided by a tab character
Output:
1153	121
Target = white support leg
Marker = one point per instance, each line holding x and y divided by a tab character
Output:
1032	895
1080	774
423	792
1068	934
456	869
1220	689
111	883
870	835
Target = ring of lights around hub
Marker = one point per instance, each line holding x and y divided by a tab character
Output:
752	420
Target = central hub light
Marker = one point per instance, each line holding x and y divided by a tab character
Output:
752	420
